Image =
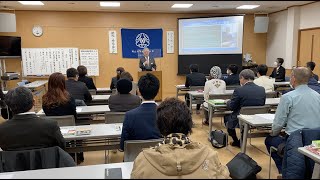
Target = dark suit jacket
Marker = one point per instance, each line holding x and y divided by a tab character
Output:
66	109
78	90
113	84
316	77
248	95
195	79
279	75
88	81
152	64
123	102
232	79
29	131
140	124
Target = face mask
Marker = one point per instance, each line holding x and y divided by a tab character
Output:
275	63
228	72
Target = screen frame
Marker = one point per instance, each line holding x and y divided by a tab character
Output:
14	56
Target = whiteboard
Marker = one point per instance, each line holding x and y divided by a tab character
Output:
90	59
45	61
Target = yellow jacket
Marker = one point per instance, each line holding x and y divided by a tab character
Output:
191	161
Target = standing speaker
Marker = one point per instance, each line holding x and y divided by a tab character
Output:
261	24
7	22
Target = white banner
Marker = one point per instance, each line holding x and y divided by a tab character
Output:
113	42
170	42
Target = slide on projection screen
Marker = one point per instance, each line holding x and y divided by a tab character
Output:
210	41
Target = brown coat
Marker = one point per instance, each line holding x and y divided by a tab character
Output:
191	161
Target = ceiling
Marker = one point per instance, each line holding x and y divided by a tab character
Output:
159	6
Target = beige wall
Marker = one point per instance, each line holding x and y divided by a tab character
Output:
90	30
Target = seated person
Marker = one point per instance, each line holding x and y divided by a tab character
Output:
26	130
263	80
249	94
140	123
84	78
233	77
311	65
175	124
127	75
114	80
5	111
123	101
78	90
297	109
57	101
194	79
214	86
279	72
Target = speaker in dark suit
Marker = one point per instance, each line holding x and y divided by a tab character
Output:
147	63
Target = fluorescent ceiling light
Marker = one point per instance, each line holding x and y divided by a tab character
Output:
248	6
38	3
110	4
181	5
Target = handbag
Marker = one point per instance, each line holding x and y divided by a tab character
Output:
243	167
218	138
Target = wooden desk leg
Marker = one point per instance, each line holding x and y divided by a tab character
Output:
210	108
190	96
243	142
316	171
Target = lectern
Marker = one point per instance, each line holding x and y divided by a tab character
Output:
158	74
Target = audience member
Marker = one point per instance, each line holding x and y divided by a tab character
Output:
297	109
123	101
214	86
140	123
233	77
311	65
196	161
127	75
279	72
78	90
84	78
264	80
26	130
114	80
249	94
57	101
195	78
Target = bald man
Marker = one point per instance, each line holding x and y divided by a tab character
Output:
147	63
297	109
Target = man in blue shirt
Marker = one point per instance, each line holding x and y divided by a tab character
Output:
140	123
297	109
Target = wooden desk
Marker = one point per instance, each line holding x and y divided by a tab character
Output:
158	74
78	172
104	91
181	88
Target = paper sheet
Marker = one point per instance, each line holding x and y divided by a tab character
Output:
79	109
90	59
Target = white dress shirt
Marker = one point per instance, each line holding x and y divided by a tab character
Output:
265	82
213	86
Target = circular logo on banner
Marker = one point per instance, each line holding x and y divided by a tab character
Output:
142	40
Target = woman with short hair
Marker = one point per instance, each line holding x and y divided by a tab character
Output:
82	70
177	156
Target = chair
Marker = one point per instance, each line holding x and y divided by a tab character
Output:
93	92
272	94
195	88
114	91
232	87
114	117
272	150
44	158
197	100
132	148
62	120
287	79
21	83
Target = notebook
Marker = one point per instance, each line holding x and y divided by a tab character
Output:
217	102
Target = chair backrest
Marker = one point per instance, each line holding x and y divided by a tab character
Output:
43	158
93	91
133	148
232	87
272	94
62	120
114	117
287	79
114	91
220	96
195	88
252	110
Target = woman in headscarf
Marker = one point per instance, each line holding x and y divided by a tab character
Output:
214	86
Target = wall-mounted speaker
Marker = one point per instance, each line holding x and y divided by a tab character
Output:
8	22
261	24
